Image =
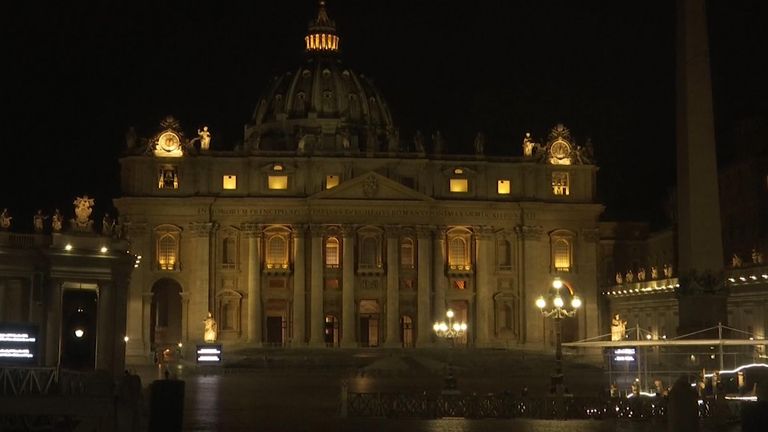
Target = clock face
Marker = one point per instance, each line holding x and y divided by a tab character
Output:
169	142
560	149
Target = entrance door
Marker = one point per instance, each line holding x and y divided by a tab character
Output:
275	330
369	323
78	334
165	324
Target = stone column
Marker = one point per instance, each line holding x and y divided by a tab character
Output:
253	233
533	268
199	301
105	327
2	299
146	320
483	289
424	325
299	337
440	281
348	288
589	314
184	316
393	288
137	323
53	324
316	294
120	286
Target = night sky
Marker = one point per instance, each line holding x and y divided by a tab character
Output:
76	76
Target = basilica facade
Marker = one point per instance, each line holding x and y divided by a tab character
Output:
325	228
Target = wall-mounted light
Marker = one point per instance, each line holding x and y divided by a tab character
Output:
68	247
79	333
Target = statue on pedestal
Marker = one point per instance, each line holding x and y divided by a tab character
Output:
757	256
528	145
56	221
641	274
205	138
735	261
654	273
618	328
37	221
211	328
619	278
479	144
107	225
630	277
5	220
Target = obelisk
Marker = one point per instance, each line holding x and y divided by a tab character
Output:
702	299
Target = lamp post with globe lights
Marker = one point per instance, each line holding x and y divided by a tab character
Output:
557	310
450	330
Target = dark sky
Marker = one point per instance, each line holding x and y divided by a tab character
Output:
76	76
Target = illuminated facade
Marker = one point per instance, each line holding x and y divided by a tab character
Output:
326	229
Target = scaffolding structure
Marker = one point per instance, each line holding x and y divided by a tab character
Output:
644	362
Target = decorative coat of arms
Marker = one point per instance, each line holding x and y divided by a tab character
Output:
83	210
370	186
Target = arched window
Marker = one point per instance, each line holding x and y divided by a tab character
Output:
167	247
332	252
457	252
369	252
561	253
277	252
406	252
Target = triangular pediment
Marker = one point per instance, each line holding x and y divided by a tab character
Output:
371	186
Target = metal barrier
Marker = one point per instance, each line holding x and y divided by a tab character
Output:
430	405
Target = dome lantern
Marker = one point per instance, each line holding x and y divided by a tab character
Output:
321	37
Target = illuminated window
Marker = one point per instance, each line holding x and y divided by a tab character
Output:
277	252
331	181
460	284
229	182
458	171
332	252
278	182
561	252
503	187
457	253
560	184
167	247
459	185
406	252
168	178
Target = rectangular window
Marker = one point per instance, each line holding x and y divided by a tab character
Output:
503	187
459	185
331	181
278	182
331	284
229	182
560	183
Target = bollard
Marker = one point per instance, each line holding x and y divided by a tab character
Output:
166	409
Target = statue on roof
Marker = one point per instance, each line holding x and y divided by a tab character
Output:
56	221
438	143
528	145
736	261
38	220
757	256
418	142
205	138
5	220
83	210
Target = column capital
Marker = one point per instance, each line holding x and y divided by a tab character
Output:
252	230
134	229
483	232
202	229
298	230
348	230
440	232
316	230
527	232
591	235
392	231
424	231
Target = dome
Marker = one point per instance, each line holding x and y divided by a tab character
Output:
322	106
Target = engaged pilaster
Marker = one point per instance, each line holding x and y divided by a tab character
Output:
348	287
253	233
393	287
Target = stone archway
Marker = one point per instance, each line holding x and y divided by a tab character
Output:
165	329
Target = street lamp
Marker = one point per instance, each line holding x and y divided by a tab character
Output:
450	330
558	311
